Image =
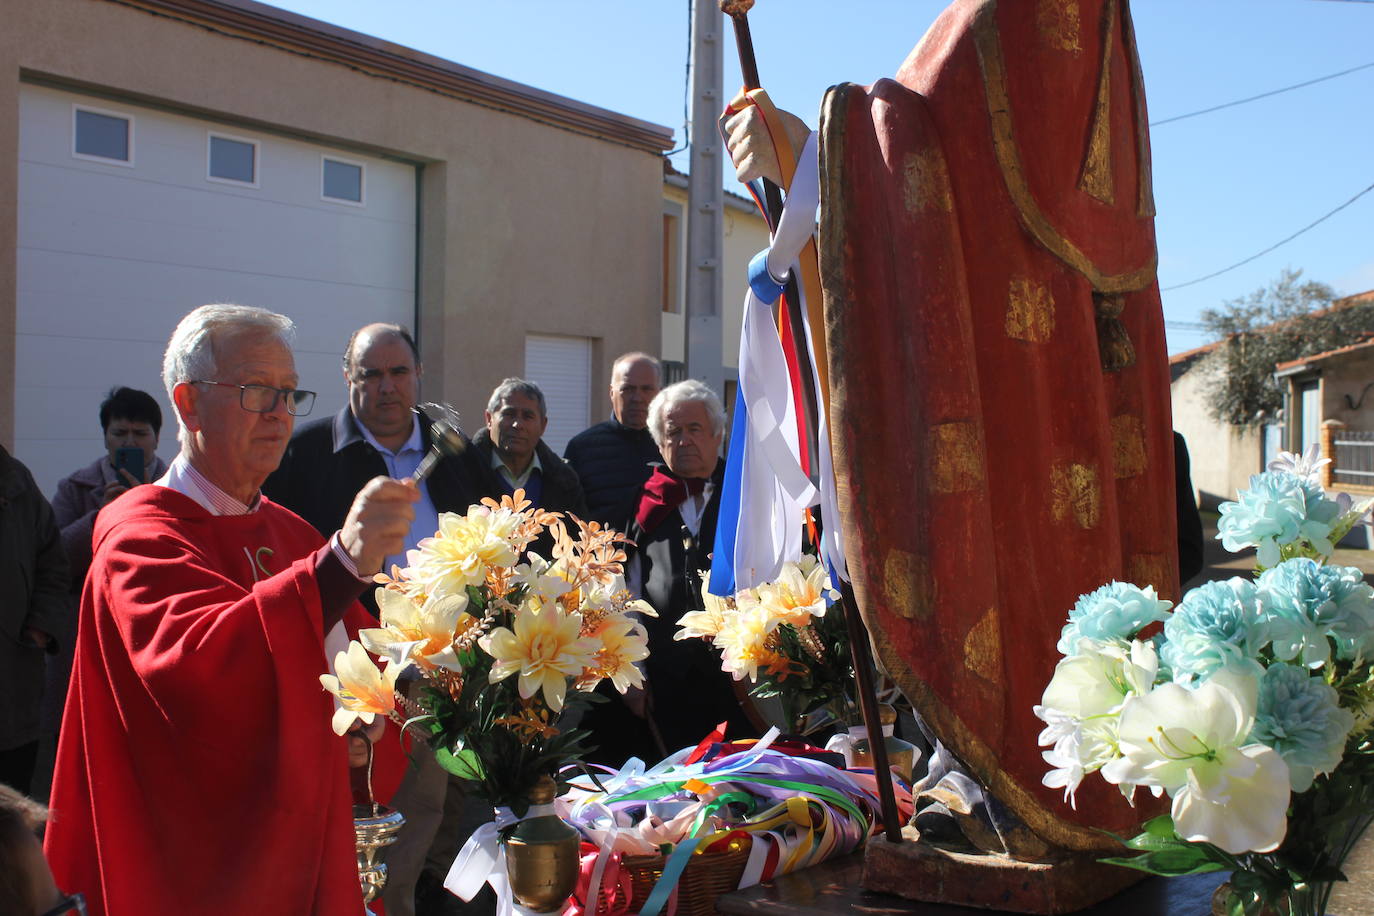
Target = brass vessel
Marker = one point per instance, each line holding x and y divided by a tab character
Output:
542	855
374	828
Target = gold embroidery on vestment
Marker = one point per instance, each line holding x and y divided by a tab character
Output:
1076	494
907	584
956	464
1059	25
1030	311
925	182
983	648
1128	446
1096	178
1150	569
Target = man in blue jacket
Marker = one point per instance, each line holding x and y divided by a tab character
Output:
613	458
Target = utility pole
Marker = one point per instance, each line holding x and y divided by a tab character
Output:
705	200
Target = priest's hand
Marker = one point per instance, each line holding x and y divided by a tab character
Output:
361	737
752	148
378	523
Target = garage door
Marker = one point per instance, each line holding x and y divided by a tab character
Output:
129	217
562	368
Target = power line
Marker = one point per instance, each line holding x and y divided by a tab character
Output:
1261	254
1262	95
686	88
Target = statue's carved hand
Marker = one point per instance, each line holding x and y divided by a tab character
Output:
752	147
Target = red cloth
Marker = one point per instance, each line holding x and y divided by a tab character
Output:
663	492
976	284
197	771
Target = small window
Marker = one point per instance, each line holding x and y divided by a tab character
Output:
232	159
343	180
102	135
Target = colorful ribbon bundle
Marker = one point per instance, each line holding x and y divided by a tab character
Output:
789	812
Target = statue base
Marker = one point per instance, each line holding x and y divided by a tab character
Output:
918	871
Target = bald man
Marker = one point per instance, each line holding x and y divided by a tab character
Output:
613	458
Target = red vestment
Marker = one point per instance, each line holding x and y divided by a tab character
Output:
999	381
197	771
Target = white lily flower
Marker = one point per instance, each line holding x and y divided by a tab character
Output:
1189	743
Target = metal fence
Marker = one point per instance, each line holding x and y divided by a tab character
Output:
1353	462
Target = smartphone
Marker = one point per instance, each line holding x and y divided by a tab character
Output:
131	460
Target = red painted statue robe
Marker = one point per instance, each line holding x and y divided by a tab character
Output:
197	771
1000	393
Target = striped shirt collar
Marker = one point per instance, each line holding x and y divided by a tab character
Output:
183	477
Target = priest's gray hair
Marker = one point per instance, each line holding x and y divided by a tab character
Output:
684	392
190	352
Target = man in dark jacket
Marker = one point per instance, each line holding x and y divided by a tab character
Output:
509	454
379	432
34	611
327	462
673	530
612	458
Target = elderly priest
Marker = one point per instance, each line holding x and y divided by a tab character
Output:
197	772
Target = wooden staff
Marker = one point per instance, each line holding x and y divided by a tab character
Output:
738	11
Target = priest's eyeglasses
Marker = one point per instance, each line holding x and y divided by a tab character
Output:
263	398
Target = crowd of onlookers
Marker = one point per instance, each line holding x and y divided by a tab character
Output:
652	469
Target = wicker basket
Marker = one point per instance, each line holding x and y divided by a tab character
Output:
705	878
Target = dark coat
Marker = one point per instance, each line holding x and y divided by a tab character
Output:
562	490
689	693
1190	552
33	567
328	461
612	461
75	505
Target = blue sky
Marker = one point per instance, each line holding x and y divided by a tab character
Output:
1227	184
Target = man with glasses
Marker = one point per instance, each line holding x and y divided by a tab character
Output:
326	463
198	771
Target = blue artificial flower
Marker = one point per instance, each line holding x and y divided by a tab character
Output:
1305	602
1279	508
1117	610
1215	626
1300	716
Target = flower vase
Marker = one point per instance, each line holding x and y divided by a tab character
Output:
853	743
1298	903
542	854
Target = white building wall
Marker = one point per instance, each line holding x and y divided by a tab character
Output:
110	257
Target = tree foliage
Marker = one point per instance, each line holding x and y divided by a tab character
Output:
1286	320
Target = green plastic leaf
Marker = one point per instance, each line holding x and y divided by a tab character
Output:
1188	860
464	764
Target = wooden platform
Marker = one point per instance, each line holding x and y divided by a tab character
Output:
834	887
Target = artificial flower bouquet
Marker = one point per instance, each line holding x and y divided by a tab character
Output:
505	645
1252	706
780	637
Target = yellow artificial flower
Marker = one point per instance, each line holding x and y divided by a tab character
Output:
621	643
546	647
799	593
362	690
462	551
419	631
743	642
